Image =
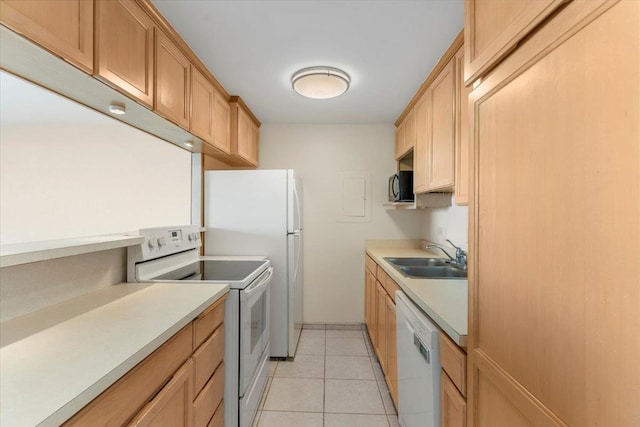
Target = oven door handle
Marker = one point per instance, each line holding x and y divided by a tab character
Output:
257	286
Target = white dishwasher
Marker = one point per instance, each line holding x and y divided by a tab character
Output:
418	366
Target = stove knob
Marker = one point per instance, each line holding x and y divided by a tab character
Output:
195	237
190	236
162	241
153	242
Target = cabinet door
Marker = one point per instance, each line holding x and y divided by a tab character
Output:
247	137
124	48
555	162
392	350
254	143
202	106
409	139
441	130
462	132
400	132
420	157
492	28
172	82
64	27
222	124
453	408
371	308
381	325
172	406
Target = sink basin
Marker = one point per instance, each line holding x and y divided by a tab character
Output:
419	262
435	272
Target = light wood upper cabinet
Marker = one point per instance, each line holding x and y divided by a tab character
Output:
441	130
406	135
244	136
172	406
64	27
172	81
462	132
202	106
124	48
554	335
492	28
420	158
222	124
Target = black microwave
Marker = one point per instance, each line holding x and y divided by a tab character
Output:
401	187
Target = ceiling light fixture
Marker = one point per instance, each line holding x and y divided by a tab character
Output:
320	82
117	108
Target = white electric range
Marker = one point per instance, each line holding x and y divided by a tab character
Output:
171	254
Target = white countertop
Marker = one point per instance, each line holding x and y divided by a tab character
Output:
443	300
51	374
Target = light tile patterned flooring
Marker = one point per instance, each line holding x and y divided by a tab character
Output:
334	381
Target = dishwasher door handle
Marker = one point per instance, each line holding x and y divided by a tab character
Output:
424	351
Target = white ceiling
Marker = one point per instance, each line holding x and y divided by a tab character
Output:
253	47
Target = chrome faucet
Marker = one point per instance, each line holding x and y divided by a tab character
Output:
461	255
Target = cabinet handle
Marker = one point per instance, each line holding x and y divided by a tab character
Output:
424	351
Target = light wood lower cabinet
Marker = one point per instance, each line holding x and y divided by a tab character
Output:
370	304
172	405
453	407
179	384
63	27
381	325
392	349
380	319
125	48
453	383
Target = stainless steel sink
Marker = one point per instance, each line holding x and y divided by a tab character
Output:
419	262
437	272
428	268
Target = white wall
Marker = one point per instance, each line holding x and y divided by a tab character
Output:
69	171
78	180
450	223
334	251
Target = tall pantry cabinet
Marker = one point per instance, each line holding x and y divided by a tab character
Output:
554	276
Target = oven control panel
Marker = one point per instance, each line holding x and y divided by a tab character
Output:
162	241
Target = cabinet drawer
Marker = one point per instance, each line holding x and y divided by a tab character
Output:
380	274
454	362
370	264
206	403
119	403
207	322
391	287
218	417
207	358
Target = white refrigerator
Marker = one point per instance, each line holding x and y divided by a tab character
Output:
259	212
